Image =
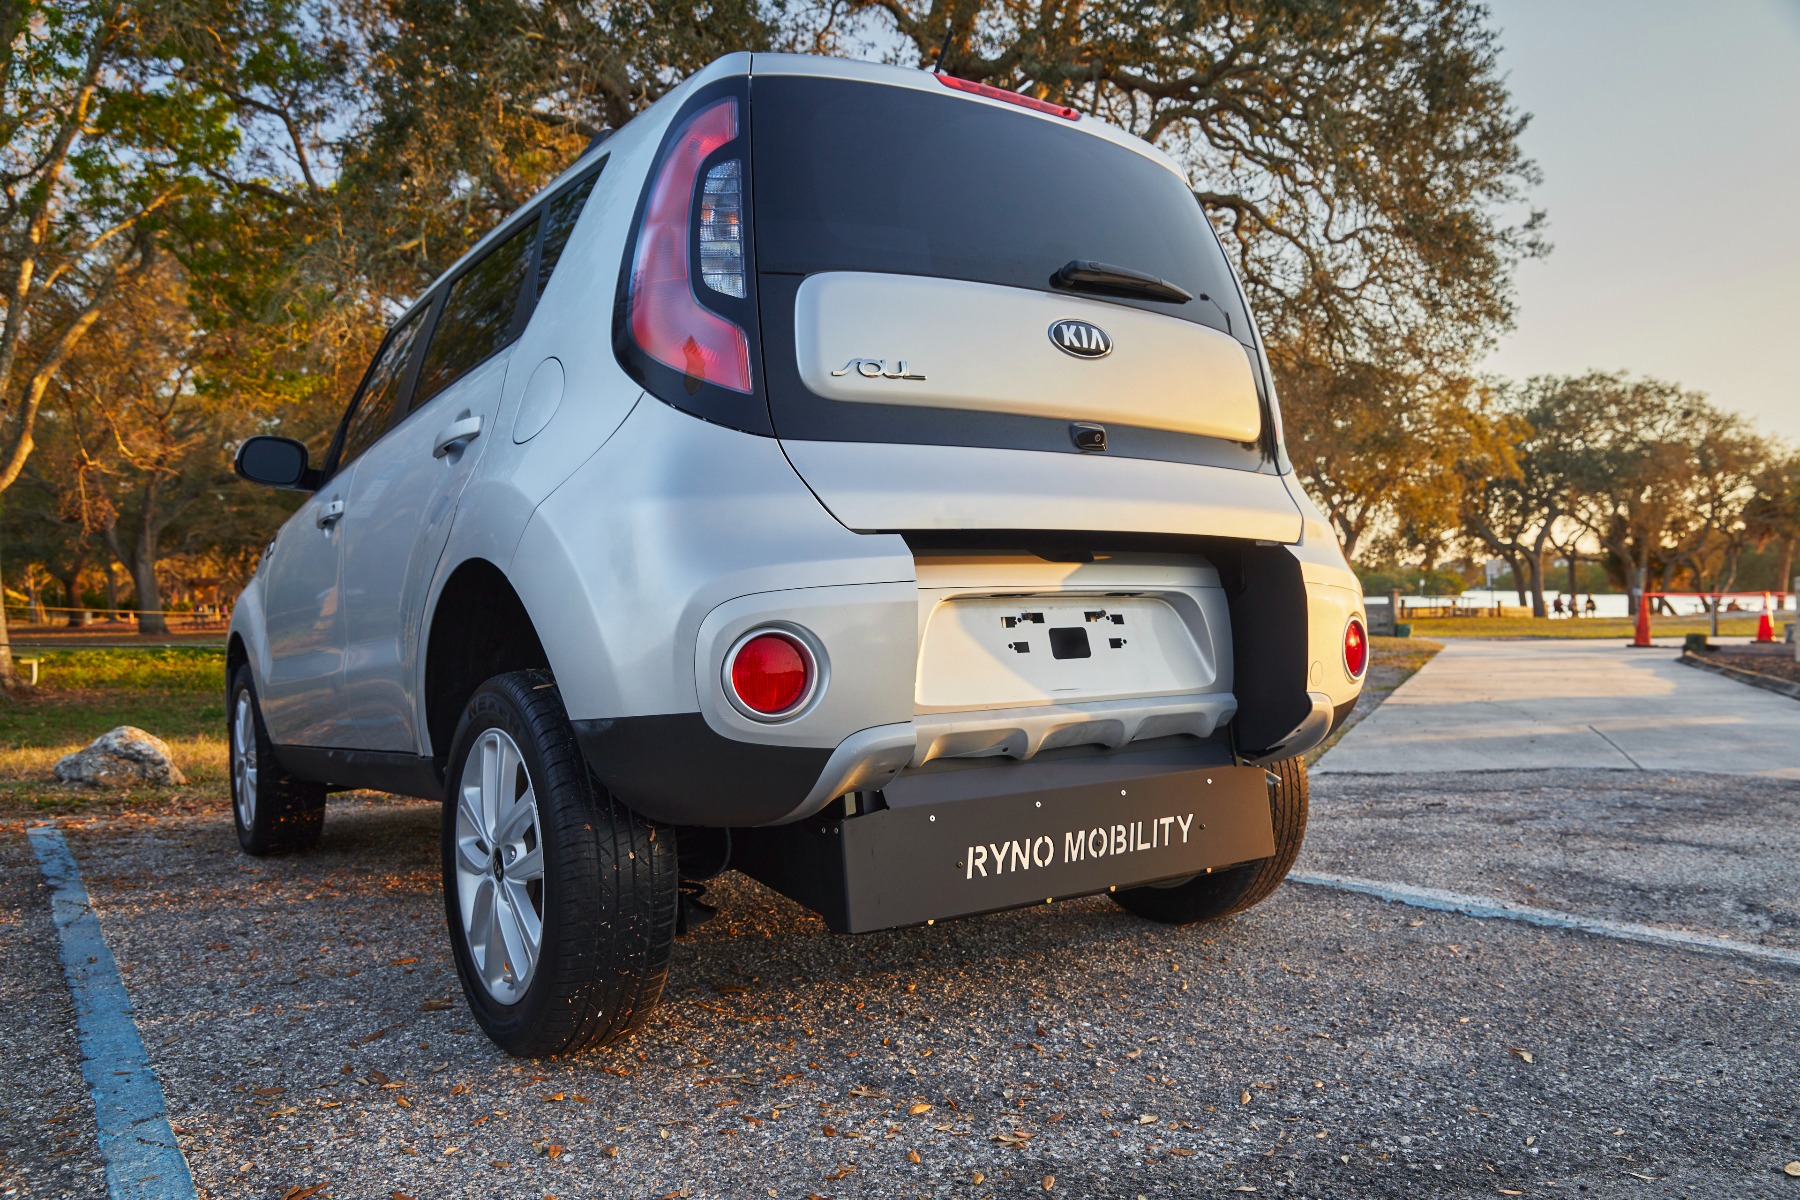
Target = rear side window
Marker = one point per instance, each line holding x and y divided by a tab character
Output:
373	409
477	320
559	223
867	177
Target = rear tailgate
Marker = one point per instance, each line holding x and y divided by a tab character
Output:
923	371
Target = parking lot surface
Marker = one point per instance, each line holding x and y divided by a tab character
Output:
305	1021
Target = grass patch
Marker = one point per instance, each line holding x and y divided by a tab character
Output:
1392	661
176	694
1618	628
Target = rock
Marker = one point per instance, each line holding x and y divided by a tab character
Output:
123	755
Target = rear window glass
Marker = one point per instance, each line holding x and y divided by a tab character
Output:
478	314
867	177
559	223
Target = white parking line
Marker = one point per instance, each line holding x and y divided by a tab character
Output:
1480	906
142	1159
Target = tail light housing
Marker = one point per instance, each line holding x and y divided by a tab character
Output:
1356	648
667	320
771	674
684	321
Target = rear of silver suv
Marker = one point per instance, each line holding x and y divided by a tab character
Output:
860	478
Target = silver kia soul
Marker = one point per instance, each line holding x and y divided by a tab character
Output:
860	478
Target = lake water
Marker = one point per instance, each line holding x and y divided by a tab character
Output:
1606	604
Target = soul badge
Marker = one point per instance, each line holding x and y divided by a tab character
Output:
1076	845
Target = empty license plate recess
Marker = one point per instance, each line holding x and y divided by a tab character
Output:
1002	651
929	858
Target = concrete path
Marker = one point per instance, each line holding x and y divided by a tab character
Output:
1511	705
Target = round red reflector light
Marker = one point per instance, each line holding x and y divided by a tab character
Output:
771	673
1356	648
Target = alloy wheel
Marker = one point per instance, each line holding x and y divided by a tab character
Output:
499	866
243	759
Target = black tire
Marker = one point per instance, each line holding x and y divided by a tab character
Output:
603	884
275	812
1221	893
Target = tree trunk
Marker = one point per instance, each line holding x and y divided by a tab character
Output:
9	679
112	589
1534	574
140	559
1784	573
151	622
71	584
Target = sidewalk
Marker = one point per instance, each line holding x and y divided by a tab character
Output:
1511	705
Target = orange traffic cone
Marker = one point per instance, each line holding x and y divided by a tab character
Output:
1643	622
1765	626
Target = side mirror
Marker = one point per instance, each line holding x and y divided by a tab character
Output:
275	462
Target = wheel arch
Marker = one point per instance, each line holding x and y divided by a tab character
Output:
479	628
246	643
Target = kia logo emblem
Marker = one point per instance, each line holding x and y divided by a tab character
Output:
1081	339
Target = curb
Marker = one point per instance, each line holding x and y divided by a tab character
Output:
1754	679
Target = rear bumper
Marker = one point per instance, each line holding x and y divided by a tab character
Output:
679	770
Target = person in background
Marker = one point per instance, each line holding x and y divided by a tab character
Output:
1591	606
1556	607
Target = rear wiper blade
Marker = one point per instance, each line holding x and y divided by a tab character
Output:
1104	279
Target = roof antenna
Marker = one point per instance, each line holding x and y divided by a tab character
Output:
943	51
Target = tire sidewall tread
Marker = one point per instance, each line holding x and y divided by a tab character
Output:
609	892
1234	889
290	811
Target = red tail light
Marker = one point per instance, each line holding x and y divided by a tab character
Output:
994	93
1356	648
666	320
771	674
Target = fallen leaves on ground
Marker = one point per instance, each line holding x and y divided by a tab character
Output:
301	1193
1522	1054
912	1156
919	1108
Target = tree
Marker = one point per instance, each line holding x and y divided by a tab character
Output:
1387	455
1516	515
1773	514
101	142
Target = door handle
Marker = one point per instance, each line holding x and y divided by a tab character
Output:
330	514
455	434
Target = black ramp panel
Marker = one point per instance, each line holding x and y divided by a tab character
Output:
905	865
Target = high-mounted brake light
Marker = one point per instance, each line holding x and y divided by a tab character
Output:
994	93
771	675
666	319
1356	648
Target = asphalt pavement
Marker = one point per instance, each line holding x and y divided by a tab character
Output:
304	1019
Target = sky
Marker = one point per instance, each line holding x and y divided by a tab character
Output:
1669	139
